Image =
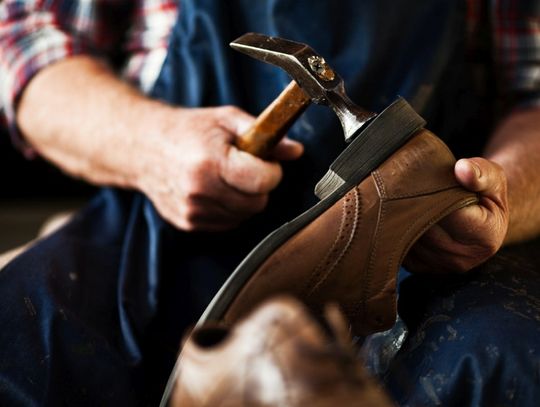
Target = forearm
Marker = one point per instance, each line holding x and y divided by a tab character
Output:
79	115
515	145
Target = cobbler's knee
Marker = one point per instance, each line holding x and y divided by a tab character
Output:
472	341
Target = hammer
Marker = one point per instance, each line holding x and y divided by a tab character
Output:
372	137
313	80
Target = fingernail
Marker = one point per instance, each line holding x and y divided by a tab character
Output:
292	142
289	141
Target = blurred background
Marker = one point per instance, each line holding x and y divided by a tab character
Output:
32	191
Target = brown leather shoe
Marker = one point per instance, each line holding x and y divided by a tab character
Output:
348	248
278	356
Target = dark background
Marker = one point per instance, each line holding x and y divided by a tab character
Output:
30	192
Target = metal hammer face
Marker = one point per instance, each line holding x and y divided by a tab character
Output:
316	78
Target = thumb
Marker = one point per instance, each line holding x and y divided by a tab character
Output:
248	173
484	177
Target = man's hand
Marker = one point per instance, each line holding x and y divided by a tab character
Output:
469	236
195	176
183	159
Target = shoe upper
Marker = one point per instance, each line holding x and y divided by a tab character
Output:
351	253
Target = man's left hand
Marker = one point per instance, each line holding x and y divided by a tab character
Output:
471	235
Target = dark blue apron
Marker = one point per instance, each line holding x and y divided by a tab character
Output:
94	314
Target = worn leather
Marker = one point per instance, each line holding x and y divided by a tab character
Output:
278	356
352	252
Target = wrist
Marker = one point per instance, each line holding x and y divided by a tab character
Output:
151	144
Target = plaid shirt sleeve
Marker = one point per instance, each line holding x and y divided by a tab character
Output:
516	34
146	44
37	33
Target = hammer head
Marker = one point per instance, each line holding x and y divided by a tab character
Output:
316	78
299	60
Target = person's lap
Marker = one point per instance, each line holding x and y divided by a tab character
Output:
94	313
473	339
60	337
79	327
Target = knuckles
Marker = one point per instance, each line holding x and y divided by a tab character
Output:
229	110
249	174
477	256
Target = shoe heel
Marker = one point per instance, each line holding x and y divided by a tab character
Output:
381	137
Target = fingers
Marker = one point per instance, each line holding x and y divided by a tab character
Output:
440	250
237	122
249	174
482	176
202	218
470	235
245	172
229	202
207	214
234	120
483	225
205	197
224	210
287	150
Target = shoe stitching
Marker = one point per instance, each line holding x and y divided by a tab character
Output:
422	192
360	306
380	183
376	174
432	220
325	267
326	258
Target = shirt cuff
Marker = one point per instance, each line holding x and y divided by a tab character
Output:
23	53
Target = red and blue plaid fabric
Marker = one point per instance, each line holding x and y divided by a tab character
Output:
131	35
36	33
514	31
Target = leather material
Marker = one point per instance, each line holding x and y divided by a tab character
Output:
278	356
352	252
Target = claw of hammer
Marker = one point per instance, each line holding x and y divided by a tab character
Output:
311	72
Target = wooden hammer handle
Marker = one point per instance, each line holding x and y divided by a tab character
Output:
272	124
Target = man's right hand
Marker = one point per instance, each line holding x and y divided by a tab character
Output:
196	177
184	160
